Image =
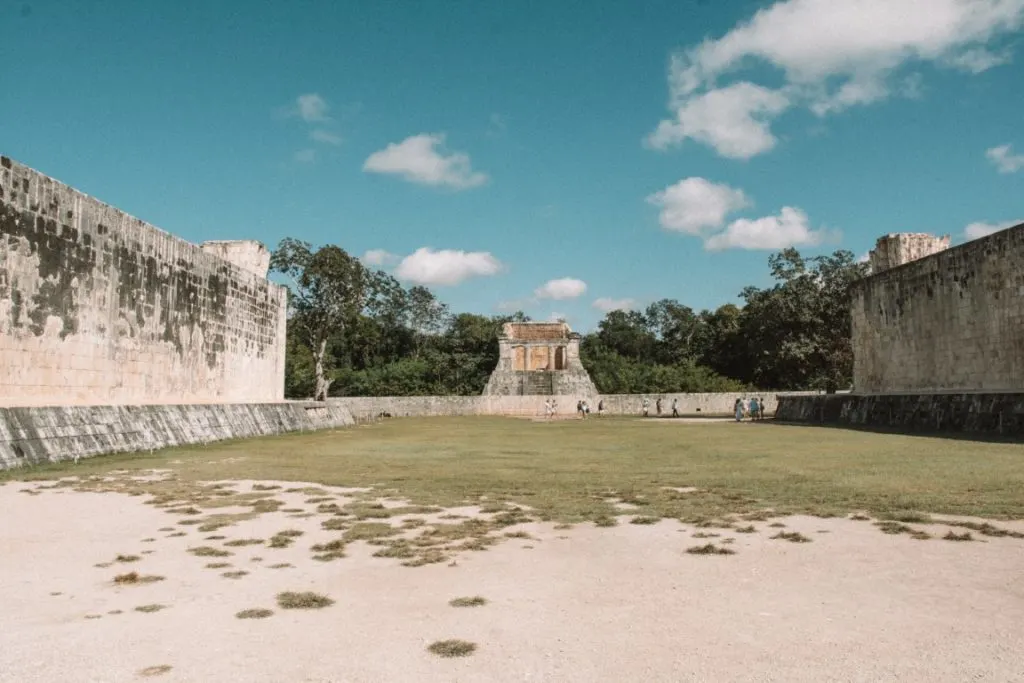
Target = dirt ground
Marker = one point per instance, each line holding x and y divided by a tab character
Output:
625	603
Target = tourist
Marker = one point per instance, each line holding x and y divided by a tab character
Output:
675	407
547	408
738	407
647	405
657	406
755	409
760	403
586	410
579	408
600	408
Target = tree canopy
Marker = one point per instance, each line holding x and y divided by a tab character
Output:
358	332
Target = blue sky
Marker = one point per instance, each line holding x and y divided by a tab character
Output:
561	157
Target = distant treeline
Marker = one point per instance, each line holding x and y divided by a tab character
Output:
357	332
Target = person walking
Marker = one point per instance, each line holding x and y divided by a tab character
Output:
738	407
600	408
547	408
675	407
657	406
755	408
760	403
647	405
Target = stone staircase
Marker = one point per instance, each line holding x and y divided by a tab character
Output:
537	384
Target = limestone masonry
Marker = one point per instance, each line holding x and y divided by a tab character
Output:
896	249
950	321
100	308
539	359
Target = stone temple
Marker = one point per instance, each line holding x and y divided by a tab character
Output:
539	359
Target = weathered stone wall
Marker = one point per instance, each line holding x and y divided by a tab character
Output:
978	413
369	407
31	436
950	321
98	307
895	249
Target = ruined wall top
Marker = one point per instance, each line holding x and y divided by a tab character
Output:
536	332
895	249
249	255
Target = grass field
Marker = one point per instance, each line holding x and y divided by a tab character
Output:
571	471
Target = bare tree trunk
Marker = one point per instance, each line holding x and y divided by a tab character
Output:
322	383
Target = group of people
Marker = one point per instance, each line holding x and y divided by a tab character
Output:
582	408
657	406
754	408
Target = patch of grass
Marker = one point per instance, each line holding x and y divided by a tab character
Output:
265	487
304	600
235	574
400	549
891	527
362	531
792	537
777	525
320	499
147	609
239	542
452	648
749	529
563	526
186	511
985	529
518	534
218	565
568	474
208	551
953	536
428	556
860	518
178	534
907	516
710	549
134	578
283	539
475	601
605	520
279	565
255	613
705	534
215	537
127	558
645	519
150	671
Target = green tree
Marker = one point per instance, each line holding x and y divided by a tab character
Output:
327	291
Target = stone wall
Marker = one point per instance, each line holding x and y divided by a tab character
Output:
370	407
1000	414
30	436
98	307
895	249
950	321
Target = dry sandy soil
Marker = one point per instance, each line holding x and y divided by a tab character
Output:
626	603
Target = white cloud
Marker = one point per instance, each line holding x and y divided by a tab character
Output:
325	136
1004	159
734	120
562	288
427	266
607	305
311	107
832	55
305	156
418	160
556	317
378	257
694	204
790	228
979	59
977	230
